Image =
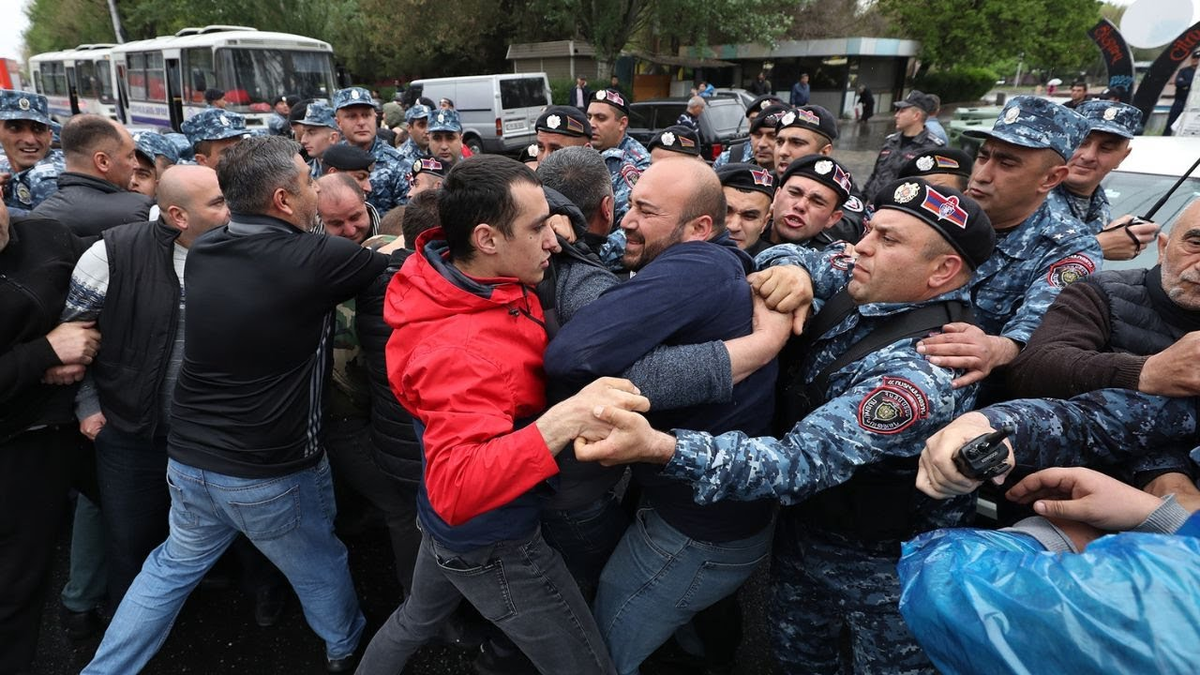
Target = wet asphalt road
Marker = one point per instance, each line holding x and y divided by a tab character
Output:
216	633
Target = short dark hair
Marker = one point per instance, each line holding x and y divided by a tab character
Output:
479	190
420	214
580	174
252	169
83	135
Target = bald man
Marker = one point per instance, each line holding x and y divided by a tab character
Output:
677	243
343	209
131	284
93	192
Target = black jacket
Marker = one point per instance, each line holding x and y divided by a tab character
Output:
141	312
395	445
35	273
89	205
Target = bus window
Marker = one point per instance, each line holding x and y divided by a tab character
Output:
37	82
200	74
156	80
104	81
137	77
252	78
85	79
56	78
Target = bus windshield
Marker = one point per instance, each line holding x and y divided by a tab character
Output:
252	78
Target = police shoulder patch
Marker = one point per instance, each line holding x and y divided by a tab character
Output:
841	261
1069	270
893	406
630	174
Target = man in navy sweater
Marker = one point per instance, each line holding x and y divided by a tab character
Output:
676	244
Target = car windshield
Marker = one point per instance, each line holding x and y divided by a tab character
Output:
252	78
1137	193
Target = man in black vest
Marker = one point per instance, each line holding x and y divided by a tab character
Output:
1126	329
131	283
93	192
850	453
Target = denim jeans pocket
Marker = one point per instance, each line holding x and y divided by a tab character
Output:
270	517
715	580
179	511
643	522
485	586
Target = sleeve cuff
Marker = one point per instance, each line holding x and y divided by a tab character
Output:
1166	519
1046	532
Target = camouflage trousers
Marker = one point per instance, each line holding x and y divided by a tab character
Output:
825	587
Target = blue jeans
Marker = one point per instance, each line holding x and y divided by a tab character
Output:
521	586
289	518
659	578
586	537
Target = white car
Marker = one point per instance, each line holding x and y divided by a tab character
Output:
1153	166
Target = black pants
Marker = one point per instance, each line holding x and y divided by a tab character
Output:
348	443
37	469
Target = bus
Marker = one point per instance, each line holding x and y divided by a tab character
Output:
79	80
161	81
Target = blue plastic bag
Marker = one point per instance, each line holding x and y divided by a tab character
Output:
982	601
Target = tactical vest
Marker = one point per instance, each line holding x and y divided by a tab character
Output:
1136	328
878	502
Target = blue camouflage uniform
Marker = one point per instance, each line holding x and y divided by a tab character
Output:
26	189
1047	252
636	152
1102	427
409	149
389	178
1118	119
278	125
878	412
213	124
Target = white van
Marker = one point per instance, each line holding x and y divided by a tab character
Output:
498	112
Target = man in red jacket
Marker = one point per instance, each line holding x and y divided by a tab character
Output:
466	361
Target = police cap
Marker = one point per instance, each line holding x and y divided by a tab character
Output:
823	169
677	138
812	117
564	120
346	157
746	177
939	160
955	216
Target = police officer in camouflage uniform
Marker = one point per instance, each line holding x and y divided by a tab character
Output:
29	168
211	132
1110	127
319	132
561	126
417	145
608	113
911	138
627	159
1039	252
155	154
355	113
673	141
745	149
849	456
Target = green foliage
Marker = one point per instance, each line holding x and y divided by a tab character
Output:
560	90
978	32
958	84
63	24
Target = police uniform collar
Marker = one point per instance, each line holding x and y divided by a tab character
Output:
1019	242
257	223
884	309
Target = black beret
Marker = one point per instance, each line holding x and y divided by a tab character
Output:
761	103
565	120
939	160
430	165
346	157
299	111
613	97
677	138
957	217
211	95
823	169
769	117
747	177
812	117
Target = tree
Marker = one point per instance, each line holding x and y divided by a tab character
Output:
980	32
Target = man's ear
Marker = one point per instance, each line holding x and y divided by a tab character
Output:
484	239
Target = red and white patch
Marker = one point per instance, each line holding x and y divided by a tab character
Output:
840	261
1069	270
893	406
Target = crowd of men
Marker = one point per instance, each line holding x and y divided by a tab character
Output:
590	393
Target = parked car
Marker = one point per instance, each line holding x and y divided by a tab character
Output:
1153	166
742	95
722	124
498	112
